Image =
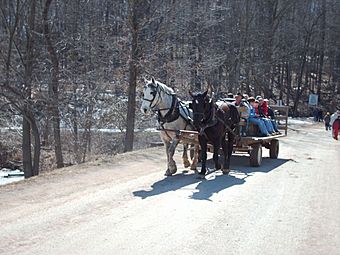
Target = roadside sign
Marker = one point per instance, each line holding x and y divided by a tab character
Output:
313	99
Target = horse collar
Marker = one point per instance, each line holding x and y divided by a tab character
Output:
173	113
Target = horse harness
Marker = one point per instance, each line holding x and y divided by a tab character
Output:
173	112
214	119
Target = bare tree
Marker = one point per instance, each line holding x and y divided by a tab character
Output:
53	87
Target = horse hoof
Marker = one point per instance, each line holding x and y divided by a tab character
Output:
172	169
200	176
194	168
186	164
168	173
225	171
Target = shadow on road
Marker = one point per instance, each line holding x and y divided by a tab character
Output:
167	184
207	187
241	164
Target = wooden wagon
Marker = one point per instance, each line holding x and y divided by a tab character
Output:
251	145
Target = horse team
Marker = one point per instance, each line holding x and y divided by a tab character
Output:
216	122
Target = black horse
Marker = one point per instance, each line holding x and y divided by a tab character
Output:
214	123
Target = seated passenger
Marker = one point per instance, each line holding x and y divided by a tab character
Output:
238	99
269	114
254	118
243	109
262	111
230	95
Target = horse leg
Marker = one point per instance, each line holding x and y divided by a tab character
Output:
195	159
215	156
227	152
203	144
225	169
186	161
172	164
167	145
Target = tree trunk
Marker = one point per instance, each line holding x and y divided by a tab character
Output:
300	75
33	169
322	48
53	88
26	127
37	147
26	148
133	70
77	155
289	82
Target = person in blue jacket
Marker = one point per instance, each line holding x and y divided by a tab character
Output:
253	118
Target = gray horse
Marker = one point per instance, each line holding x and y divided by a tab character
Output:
173	114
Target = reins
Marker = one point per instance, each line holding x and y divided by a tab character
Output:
213	120
173	112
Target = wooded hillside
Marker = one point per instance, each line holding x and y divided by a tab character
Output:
78	65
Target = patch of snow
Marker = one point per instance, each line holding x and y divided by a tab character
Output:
9	176
300	121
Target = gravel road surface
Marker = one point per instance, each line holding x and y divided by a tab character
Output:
125	205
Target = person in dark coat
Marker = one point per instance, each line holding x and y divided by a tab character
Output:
315	114
320	115
327	120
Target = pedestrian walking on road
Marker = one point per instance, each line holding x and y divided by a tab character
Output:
315	114
335	123
327	120
320	115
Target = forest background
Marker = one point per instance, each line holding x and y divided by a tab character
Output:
73	68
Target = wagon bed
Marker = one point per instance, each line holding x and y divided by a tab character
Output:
251	145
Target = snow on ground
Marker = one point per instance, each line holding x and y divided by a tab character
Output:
300	121
9	176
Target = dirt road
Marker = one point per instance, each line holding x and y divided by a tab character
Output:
126	206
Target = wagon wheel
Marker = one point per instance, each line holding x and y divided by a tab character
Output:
274	149
256	155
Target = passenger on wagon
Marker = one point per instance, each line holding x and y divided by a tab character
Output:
262	115
253	118
335	123
238	99
265	111
243	109
230	95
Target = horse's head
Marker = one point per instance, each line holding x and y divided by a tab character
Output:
150	96
201	107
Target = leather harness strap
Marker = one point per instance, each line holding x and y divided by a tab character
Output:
213	119
172	114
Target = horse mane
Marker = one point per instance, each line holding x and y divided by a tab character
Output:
165	88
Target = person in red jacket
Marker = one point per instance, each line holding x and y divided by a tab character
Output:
262	111
335	123
264	107
265	111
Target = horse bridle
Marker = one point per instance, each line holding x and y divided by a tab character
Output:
155	92
204	114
